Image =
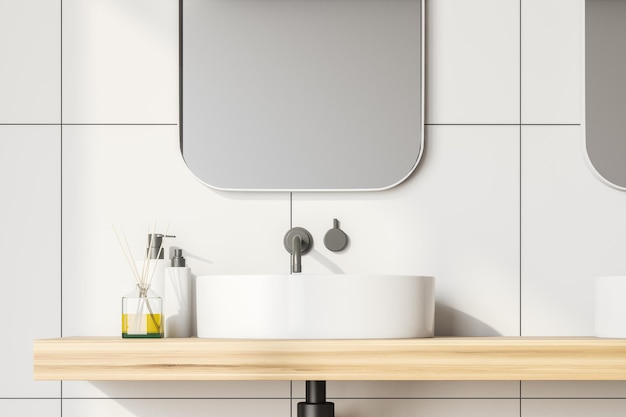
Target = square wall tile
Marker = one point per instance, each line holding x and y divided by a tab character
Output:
30	407
132	177
573	408
120	61
190	407
472	61
424	408
415	389
456	218
574	389
552	61
30	74
176	389
571	232
30	220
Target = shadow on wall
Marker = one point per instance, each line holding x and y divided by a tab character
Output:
452	322
186	389
189	407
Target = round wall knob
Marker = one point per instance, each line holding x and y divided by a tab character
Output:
335	240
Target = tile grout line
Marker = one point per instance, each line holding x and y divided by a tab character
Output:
502	124
180	74
520	190
172	398
120	124
178	124
520	172
88	124
61	166
61	189
621	399
290	210
290	221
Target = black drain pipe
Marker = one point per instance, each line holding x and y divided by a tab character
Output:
315	404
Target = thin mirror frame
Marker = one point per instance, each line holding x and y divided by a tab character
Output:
364	189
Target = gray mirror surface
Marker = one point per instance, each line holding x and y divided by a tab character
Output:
605	80
302	95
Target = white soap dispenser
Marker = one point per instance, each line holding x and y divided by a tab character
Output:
177	297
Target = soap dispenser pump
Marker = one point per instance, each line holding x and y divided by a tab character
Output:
177	297
154	247
155	262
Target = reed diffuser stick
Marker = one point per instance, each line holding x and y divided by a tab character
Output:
126	252
133	264
146	261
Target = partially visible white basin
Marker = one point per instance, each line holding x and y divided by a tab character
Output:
303	306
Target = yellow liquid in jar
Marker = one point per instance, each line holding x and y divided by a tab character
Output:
141	325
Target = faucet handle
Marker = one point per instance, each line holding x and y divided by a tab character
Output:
336	239
297	241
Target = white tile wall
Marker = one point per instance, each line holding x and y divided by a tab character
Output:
115	175
552	61
425	408
414	389
30	407
120	61
180	408
573	408
30	187
30	45
182	389
473	61
106	166
574	389
572	227
457	218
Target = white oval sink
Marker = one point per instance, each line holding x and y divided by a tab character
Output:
303	306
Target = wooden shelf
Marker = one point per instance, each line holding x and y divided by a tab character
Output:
461	358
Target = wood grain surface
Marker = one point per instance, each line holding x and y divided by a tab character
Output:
461	358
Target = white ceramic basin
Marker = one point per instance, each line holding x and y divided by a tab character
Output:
302	306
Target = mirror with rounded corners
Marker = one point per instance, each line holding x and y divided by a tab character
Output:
605	89
302	95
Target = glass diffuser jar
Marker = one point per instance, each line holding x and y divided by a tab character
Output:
142	313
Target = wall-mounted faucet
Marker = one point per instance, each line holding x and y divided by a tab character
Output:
298	241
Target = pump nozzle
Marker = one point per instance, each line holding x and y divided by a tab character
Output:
155	243
178	260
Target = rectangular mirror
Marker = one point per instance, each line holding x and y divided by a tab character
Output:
605	89
302	95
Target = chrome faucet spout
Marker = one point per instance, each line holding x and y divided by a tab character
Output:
296	254
297	241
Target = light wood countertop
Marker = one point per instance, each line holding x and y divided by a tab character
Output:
441	358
